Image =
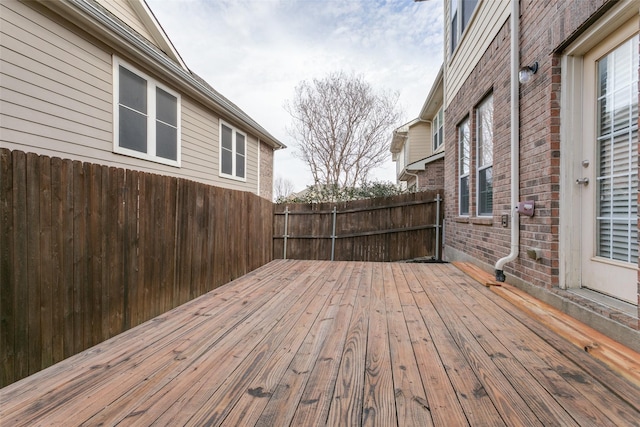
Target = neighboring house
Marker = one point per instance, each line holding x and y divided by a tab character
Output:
99	81
417	147
575	151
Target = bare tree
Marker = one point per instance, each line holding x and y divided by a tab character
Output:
282	188
342	128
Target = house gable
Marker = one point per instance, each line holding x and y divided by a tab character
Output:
137	15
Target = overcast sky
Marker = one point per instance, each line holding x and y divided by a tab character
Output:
255	52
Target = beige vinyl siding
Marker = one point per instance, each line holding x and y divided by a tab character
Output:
56	99
123	10
487	20
48	101
419	141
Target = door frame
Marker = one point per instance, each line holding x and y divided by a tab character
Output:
571	137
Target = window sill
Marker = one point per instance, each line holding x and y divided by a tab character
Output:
232	177
482	221
474	220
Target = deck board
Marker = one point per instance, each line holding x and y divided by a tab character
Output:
332	343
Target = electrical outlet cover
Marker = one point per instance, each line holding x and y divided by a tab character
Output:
526	208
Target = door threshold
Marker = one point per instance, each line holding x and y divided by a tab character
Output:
606	300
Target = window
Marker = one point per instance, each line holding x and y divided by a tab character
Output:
232	152
464	144
146	117
484	133
438	130
460	12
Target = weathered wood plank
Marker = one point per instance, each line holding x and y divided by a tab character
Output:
441	397
307	296
506	398
317	396
379	408
478	407
255	395
34	275
7	273
286	397
80	277
348	395
543	361
46	265
544	406
412	407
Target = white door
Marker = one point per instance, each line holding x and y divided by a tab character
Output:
609	185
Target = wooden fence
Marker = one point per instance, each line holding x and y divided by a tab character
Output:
384	229
88	251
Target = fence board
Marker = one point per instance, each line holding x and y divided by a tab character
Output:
89	251
33	263
46	265
383	229
7	272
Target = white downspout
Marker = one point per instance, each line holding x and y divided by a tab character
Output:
515	142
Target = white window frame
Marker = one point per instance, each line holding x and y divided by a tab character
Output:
460	26
234	152
438	130
461	174
152	84
480	144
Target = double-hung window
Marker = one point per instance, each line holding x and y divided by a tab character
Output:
464	165
460	12
438	130
484	133
233	148
146	116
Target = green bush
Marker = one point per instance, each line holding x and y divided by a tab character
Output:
328	193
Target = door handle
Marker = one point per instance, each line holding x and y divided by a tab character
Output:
582	181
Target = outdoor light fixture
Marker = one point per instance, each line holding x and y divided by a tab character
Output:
527	72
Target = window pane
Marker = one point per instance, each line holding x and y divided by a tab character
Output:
133	91
454	31
468	7
485	191
166	107
132	130
485	132
239	143
465	147
617	189
226	137
227	162
166	141
464	195
240	165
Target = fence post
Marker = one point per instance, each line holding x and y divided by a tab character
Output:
438	226
286	231
333	234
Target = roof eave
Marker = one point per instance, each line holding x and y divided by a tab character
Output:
112	31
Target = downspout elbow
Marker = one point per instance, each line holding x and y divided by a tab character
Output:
515	246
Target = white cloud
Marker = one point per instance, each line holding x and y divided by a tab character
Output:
255	53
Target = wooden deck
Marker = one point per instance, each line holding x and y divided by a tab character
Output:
309	343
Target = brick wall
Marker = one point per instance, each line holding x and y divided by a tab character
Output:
432	178
266	171
545	26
